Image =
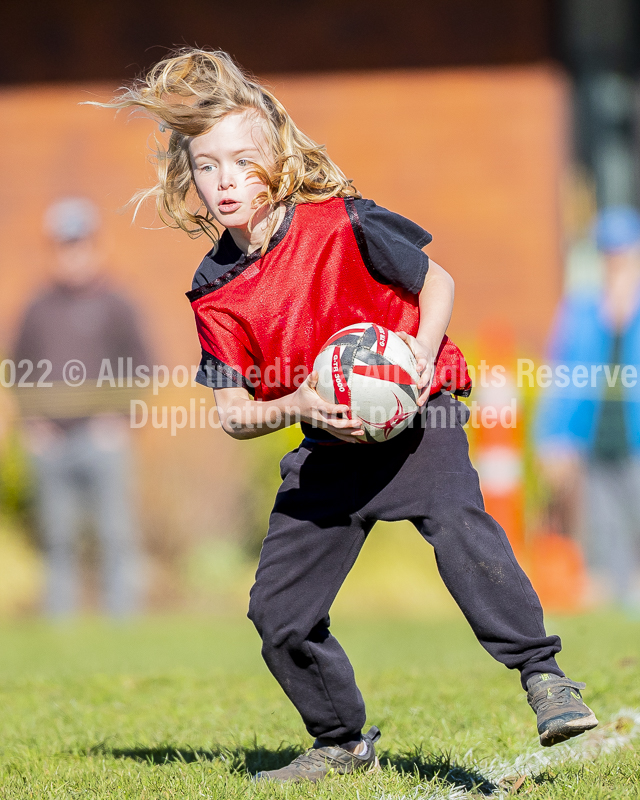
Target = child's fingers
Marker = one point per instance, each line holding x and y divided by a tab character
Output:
328	411
425	369
337	410
342	434
424	384
423	397
408	340
426	373
338	422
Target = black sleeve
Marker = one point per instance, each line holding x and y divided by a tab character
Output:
391	245
215	374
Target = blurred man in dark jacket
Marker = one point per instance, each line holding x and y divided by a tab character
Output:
75	332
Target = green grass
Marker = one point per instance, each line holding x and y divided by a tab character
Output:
184	708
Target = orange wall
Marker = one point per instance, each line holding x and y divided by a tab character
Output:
473	155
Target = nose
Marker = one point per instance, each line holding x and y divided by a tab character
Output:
226	179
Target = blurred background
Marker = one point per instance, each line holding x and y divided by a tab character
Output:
501	127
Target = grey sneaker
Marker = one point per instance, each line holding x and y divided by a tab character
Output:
561	711
320	761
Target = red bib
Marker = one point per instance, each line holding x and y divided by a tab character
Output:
265	320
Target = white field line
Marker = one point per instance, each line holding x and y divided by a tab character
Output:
609	737
623	727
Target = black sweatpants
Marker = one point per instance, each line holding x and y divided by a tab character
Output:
330	498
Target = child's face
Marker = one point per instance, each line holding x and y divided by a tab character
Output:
222	167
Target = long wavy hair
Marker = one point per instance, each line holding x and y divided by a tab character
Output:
188	93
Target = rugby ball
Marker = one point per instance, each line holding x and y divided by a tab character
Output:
370	369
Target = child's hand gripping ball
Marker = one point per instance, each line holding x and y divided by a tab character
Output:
370	369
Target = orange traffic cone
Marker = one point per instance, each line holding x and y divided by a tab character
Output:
557	572
499	440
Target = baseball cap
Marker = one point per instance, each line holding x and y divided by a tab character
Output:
616	228
71	218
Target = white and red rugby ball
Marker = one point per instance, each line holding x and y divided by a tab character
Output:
370	369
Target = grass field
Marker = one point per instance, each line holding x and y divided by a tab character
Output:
184	708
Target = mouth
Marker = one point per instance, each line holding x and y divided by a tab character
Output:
228	205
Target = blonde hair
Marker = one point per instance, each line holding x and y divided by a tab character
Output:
188	93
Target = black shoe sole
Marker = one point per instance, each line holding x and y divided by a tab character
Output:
568	731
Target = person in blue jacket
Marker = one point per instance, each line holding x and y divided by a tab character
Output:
589	417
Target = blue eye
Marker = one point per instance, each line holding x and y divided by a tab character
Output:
243	162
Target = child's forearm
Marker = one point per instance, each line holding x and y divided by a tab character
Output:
436	306
246	418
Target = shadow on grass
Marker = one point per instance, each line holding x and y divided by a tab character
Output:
440	767
425	767
235	759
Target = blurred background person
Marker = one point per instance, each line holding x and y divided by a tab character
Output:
591	427
77	435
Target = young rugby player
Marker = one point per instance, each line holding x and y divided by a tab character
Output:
301	256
